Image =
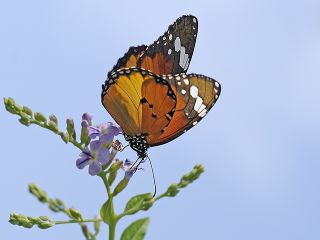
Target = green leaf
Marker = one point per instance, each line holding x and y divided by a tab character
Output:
106	212
136	230
136	202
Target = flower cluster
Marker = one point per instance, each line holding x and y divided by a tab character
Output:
97	153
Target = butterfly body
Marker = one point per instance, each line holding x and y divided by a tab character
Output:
149	94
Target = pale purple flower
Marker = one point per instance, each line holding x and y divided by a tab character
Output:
95	156
105	132
129	169
87	117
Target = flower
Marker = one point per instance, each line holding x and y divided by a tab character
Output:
129	168
95	157
105	131
87	119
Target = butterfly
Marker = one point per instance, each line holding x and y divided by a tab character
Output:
150	95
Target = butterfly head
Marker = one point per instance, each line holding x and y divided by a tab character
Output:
139	144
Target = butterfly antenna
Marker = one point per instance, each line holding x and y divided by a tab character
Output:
154	179
124	148
135	163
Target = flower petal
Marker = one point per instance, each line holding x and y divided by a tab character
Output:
95	146
82	162
93	132
106	138
103	156
94	168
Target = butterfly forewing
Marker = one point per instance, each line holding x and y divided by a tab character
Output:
196	94
129	59
141	102
171	53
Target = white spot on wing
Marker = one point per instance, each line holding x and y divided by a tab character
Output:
186	81
194	20
198	104
170	37
194	91
183	91
177	44
169	51
217	84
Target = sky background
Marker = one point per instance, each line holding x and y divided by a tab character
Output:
259	144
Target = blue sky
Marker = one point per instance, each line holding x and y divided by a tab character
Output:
259	144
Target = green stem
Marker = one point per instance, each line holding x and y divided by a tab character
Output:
44	125
77	221
161	196
112	230
113	218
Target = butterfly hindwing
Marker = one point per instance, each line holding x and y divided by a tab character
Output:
171	53
141	102
196	94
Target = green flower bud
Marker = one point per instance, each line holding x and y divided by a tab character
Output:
84	138
115	166
25	122
70	128
17	107
121	185
54	119
97	225
44	218
53	126
24	116
75	214
38	193
34	220
46	224
10	109
147	204
10	101
56	205
64	136
27	110
173	190
85	231
40	117
112	177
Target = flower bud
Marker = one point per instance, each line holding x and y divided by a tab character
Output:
115	166
24	116
173	190
25	122
40	117
112	177
70	126
85	231
64	136
46	224
44	218
75	214
53	126
84	138
97	225
38	193
147	204
121	185
27	110
54	119
87	117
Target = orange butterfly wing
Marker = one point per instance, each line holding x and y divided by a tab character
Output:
171	53
141	102
130	59
196	95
